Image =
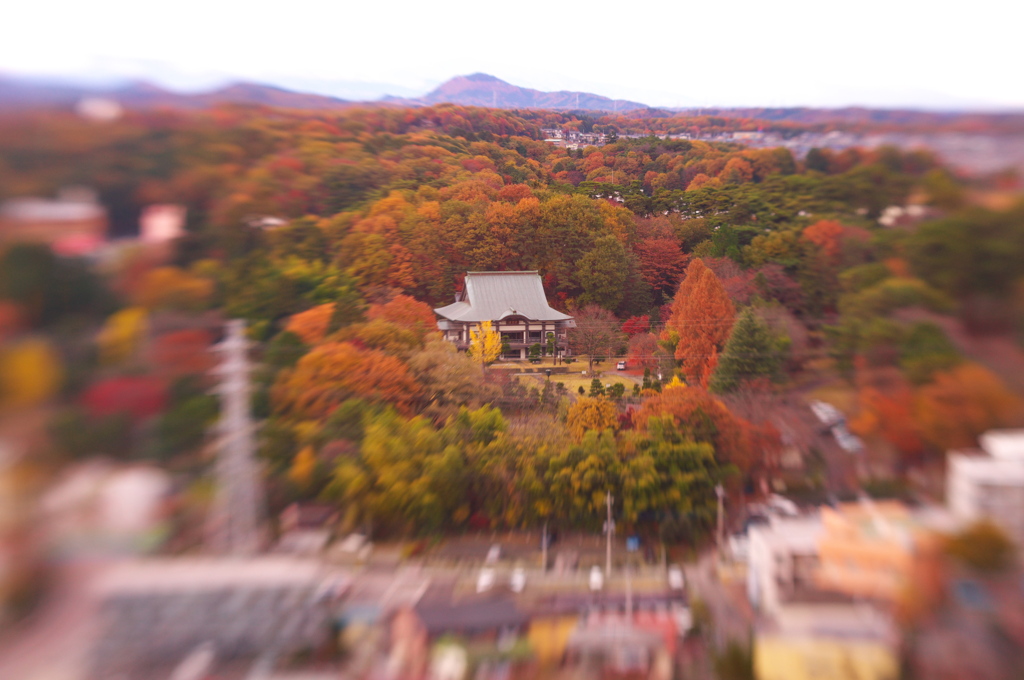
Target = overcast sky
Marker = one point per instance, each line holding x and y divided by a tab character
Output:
767	53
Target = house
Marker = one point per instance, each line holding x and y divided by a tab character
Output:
514	303
418	633
989	483
74	224
877	550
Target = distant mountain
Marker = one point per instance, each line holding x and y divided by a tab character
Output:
480	89
18	93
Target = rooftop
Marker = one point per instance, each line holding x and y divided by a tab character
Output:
492	296
1004	444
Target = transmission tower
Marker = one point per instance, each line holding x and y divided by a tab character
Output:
237	513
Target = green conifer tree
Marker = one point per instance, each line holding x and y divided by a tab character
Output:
750	352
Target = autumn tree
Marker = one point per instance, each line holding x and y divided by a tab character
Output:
636	325
702	315
668	477
662	263
336	371
137	396
449	378
311	325
173	288
183	352
484	343
579	476
407	477
589	413
704	418
407	312
643	351
30	373
982	546
596	333
961	404
122	334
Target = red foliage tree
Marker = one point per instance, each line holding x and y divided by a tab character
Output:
662	263
183	352
139	397
636	325
643	351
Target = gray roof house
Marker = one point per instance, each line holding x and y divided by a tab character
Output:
514	303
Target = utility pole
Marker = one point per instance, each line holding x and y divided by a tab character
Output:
544	549
234	523
609	529
720	492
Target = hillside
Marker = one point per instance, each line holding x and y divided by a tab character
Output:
480	89
17	93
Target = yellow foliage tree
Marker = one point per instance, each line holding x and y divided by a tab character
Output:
30	372
484	343
303	467
173	288
591	414
122	334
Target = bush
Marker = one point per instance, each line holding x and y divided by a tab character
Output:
982	546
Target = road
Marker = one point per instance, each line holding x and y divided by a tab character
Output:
731	619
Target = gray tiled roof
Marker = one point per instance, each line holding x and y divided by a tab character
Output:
491	296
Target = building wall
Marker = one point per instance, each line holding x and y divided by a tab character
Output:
979	487
866	551
798	658
459	333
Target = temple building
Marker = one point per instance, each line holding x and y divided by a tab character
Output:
514	303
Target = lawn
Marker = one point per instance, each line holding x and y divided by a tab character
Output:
573	381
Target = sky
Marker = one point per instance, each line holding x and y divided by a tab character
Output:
882	53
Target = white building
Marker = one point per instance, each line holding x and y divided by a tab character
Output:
989	483
782	558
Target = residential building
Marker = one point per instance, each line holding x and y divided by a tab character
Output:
876	549
782	558
514	303
806	630
73	224
989	483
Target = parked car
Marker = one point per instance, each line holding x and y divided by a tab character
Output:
518	580
676	580
621	366
596	578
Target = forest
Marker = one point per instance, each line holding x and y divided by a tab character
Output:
731	278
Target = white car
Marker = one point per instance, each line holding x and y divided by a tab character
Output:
518	580
596	578
485	581
676	580
621	366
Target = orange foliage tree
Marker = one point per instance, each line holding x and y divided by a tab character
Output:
703	418
336	371
888	412
311	325
408	313
832	238
702	316
962	403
